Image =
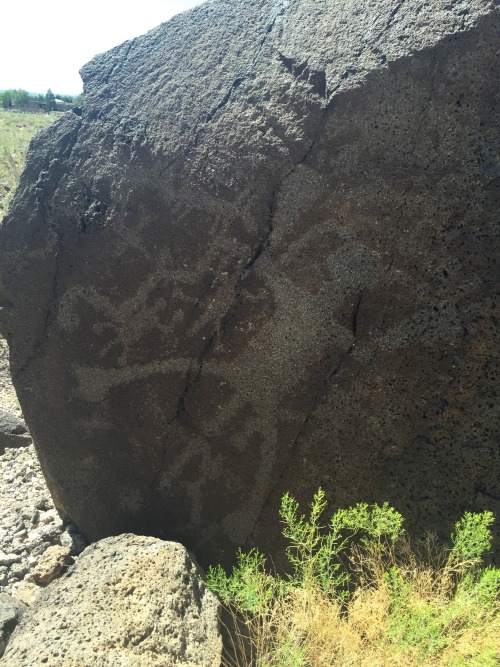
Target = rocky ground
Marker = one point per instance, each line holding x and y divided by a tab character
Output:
8	398
35	542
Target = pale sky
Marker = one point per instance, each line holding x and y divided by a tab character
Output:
43	43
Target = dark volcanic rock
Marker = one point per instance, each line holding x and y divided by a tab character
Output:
13	432
265	258
11	612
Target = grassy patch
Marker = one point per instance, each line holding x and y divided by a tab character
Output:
16	131
360	594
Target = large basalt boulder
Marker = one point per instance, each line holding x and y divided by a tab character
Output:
265	258
129	600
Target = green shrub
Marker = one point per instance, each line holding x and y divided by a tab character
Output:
472	537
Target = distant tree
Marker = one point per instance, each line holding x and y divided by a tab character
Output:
78	100
20	98
50	98
6	99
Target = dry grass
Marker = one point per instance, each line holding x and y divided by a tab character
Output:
306	628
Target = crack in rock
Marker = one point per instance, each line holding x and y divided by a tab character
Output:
234	86
313	407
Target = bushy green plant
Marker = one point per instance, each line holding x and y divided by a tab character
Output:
472	538
314	552
249	588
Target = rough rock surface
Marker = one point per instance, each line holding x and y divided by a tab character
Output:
130	600
264	258
11	612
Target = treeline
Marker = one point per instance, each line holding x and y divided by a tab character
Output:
21	99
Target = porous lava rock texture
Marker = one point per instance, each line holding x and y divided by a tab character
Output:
129	600
11	612
265	257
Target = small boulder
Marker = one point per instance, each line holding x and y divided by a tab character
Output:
6	560
74	541
42	503
128	600
51	564
13	432
18	571
11	611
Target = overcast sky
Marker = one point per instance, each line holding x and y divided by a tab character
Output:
43	43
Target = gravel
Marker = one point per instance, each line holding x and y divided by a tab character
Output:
29	522
8	398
